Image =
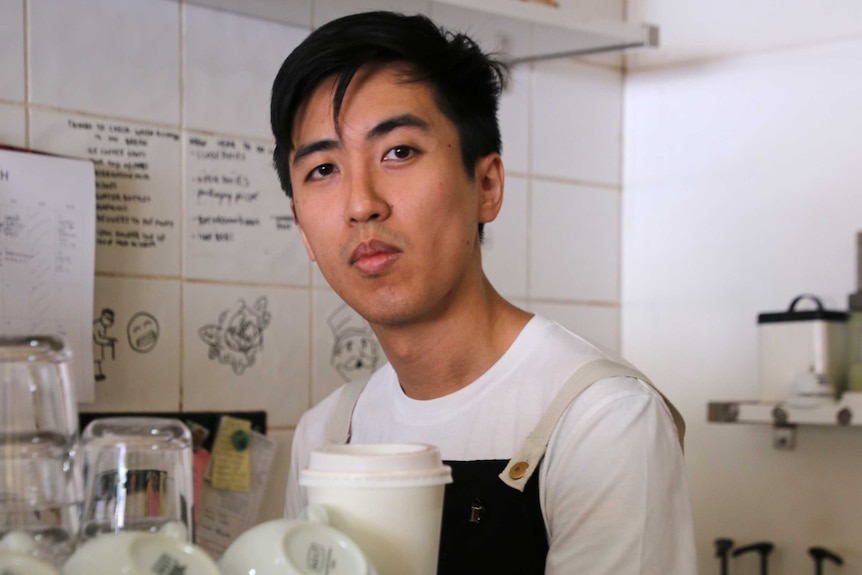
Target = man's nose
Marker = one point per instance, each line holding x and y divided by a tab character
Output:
366	201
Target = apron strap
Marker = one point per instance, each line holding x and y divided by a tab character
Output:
527	458
338	427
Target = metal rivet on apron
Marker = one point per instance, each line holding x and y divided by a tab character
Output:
519	470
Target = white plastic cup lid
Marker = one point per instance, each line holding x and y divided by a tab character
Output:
408	464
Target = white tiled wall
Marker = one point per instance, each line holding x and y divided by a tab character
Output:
188	72
227	89
12	50
13	125
574	245
115	59
506	241
576	131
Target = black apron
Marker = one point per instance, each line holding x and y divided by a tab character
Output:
492	518
488	527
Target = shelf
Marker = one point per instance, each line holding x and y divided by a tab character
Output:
846	412
560	33
555	32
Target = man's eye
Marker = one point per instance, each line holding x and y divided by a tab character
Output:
400	153
321	171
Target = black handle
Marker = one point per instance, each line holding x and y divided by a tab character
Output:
722	548
807	296
821	553
764	548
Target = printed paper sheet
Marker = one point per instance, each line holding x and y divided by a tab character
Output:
47	253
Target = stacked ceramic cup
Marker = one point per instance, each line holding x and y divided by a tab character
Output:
40	481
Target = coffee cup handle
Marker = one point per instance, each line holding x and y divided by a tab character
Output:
174	529
315	514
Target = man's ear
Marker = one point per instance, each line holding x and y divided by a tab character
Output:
490	177
308	249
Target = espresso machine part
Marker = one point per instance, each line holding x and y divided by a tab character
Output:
764	549
722	549
821	554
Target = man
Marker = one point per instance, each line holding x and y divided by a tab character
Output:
387	143
103	340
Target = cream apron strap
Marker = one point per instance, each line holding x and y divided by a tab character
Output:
527	458
338	427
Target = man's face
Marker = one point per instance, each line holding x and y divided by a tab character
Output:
384	204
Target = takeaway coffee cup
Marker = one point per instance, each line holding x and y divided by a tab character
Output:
388	498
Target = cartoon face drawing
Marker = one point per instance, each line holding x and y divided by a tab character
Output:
355	352
143	332
244	330
238	337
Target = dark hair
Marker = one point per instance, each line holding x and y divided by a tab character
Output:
466	82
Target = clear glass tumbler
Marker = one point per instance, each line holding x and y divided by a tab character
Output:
138	476
40	479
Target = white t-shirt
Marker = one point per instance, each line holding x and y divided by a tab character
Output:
612	484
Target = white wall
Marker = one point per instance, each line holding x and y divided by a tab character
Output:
742	189
195	72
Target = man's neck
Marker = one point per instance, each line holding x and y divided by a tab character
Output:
439	356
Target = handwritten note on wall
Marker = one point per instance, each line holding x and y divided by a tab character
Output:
239	223
137	188
46	253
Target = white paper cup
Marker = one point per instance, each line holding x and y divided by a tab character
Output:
388	498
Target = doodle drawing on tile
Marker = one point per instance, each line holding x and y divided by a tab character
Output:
143	332
104	342
238	336
355	350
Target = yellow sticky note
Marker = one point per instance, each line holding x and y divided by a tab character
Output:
231	463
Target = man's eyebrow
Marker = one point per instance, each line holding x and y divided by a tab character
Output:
313	147
381	129
404	120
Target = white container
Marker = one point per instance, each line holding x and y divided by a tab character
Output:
294	547
140	553
796	344
18	557
388	498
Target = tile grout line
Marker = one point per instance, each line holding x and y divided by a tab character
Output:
183	177
25	4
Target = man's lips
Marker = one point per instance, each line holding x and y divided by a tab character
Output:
373	256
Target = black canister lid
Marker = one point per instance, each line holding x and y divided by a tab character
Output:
804	315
